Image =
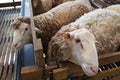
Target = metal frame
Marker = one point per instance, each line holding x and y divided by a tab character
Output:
61	71
9	4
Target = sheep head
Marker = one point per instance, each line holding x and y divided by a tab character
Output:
84	52
77	46
21	35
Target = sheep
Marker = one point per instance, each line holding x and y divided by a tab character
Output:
79	41
48	23
42	6
85	2
114	7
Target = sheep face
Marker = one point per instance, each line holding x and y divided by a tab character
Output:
84	52
21	35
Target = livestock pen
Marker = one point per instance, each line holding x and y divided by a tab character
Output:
108	69
7	52
31	64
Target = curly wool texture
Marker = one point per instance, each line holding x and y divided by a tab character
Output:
85	2
42	6
115	8
103	23
50	22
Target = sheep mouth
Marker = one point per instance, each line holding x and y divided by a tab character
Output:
17	46
93	70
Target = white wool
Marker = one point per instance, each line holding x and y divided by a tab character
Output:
97	22
53	20
87	3
114	7
104	24
95	16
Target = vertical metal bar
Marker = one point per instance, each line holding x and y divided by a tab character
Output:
22	11
6	42
14	3
17	68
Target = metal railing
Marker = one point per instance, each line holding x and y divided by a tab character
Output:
7	52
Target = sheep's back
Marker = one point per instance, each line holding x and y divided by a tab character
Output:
57	2
104	24
114	7
49	23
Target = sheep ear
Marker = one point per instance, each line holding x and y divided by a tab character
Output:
68	36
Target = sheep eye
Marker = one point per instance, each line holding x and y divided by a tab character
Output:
26	29
77	40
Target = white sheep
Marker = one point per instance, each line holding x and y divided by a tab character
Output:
76	41
114	7
42	6
48	23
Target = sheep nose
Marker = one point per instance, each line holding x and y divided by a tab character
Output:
94	69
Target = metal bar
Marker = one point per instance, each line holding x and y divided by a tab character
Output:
17	69
22	12
10	4
5	55
2	12
9	37
4	38
14	3
3	21
6	52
